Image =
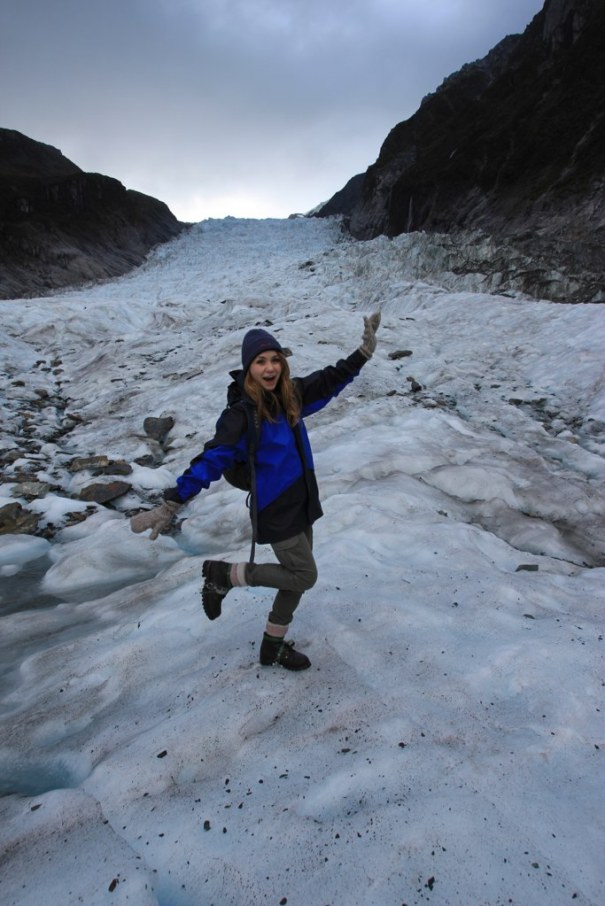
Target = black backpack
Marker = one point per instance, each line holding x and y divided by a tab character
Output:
242	475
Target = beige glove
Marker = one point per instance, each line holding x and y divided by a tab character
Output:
159	519
368	340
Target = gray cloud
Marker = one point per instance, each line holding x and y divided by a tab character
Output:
244	107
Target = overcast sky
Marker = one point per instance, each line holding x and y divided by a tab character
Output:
250	108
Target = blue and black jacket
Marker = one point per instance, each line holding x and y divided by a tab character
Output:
287	497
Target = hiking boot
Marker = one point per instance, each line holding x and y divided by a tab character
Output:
217	583
278	651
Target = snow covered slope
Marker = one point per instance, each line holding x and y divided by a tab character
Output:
446	745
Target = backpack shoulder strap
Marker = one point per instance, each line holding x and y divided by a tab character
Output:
253	440
236	400
253	427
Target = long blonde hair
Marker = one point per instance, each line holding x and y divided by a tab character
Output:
268	405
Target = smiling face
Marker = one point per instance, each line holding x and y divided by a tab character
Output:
266	369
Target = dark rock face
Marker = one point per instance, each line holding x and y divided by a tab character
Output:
346	200
61	227
512	145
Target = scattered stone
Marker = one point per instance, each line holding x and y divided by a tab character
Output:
527	567
149	461
415	386
158	428
400	354
73	417
31	490
9	457
75	518
115	467
104	493
14	520
25	474
80	464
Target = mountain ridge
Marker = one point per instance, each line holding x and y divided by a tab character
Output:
61	227
512	145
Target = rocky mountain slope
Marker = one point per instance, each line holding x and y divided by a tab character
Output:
511	147
60	227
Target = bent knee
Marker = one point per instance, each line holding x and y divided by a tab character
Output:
304	577
308	577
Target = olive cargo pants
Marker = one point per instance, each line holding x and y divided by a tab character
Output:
294	574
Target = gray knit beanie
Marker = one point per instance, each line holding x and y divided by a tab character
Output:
255	342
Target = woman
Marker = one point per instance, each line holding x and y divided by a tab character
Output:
285	492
